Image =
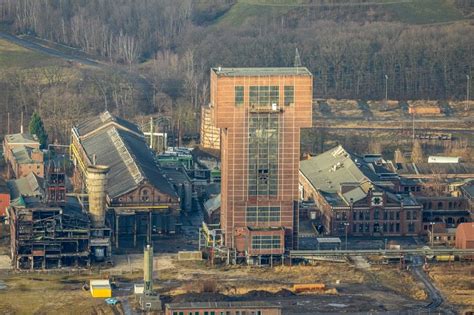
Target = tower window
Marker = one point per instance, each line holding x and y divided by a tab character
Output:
289	95
239	96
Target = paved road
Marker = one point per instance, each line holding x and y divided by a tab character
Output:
139	80
433	293
47	51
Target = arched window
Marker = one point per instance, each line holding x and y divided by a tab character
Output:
144	195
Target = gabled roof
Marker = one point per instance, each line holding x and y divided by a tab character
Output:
124	150
88	126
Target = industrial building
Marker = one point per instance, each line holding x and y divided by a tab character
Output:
4	197
260	112
23	155
357	195
241	308
51	233
209	134
44	237
140	200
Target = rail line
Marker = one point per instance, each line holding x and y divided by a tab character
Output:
370	252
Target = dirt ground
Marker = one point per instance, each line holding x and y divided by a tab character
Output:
349	289
49	294
456	282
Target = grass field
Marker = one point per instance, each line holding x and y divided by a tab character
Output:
407	11
48	294
14	56
456	282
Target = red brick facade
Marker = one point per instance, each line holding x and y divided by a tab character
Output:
235	121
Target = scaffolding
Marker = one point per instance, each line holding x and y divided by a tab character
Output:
49	237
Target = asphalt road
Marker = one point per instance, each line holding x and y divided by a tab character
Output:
433	293
139	80
46	50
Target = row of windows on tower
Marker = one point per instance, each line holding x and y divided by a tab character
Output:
264	95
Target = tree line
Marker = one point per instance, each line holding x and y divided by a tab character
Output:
353	51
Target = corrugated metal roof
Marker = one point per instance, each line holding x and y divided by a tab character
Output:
28	186
252	72
88	125
431	168
213	204
128	156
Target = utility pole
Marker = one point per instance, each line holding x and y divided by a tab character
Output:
21	124
432	232
386	92
467	92
151	132
346	225
8	123
413	125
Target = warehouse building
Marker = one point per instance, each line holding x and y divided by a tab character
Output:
465	235
140	200
358	195
23	155
215	308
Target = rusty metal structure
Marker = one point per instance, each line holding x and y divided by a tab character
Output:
60	231
44	237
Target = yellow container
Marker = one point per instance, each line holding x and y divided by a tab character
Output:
100	288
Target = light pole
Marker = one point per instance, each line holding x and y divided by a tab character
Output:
346	226
467	92
432	231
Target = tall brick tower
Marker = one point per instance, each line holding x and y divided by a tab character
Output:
260	112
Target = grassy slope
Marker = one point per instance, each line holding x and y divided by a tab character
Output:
13	56
413	12
426	11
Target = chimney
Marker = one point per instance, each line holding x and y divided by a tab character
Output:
96	185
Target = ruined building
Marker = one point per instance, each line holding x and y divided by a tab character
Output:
260	112
56	231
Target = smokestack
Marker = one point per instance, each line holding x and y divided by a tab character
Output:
96	185
148	269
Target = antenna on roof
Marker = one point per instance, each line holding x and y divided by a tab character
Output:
21	125
297	59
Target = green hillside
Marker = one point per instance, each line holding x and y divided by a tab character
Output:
13	56
407	11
